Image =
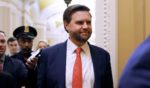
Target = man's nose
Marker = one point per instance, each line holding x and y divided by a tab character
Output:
85	25
26	44
2	43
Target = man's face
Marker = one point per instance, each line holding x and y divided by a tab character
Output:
2	43
25	44
13	47
79	28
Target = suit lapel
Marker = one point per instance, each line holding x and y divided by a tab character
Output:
97	65
93	55
5	68
8	65
61	65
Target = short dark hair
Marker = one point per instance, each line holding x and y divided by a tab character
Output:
11	39
71	10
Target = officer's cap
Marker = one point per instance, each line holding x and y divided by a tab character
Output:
25	32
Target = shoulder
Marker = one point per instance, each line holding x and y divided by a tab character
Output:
98	49
140	55
137	67
7	80
55	48
13	60
17	55
99	53
5	76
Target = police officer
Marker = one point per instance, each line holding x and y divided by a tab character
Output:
25	36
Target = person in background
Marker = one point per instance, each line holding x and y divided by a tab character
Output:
75	63
42	45
10	65
25	36
13	46
137	70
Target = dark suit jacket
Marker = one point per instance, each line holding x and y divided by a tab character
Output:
137	71
16	68
52	68
7	80
31	79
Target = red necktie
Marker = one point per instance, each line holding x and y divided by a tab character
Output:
77	71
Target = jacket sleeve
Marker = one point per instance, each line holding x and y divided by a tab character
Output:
41	69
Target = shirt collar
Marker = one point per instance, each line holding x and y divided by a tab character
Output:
72	47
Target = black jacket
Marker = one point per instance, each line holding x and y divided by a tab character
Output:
17	69
7	80
31	80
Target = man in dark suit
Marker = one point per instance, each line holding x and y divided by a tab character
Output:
137	71
75	63
11	65
25	36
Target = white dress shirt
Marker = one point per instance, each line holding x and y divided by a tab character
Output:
87	65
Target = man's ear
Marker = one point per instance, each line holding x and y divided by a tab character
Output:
66	25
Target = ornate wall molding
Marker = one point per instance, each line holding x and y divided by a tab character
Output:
12	14
22	11
107	25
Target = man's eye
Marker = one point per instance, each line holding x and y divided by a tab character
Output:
23	41
89	22
80	22
2	41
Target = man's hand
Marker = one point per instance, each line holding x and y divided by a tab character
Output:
32	63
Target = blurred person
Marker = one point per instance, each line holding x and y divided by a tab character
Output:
12	66
13	46
42	44
75	63
25	36
137	70
7	80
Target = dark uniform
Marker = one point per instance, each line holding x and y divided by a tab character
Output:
26	33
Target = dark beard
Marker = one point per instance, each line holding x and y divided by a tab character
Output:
82	40
26	52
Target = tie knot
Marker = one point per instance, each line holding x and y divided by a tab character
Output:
78	50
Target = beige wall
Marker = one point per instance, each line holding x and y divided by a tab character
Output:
147	17
133	27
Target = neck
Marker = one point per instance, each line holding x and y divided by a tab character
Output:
78	43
